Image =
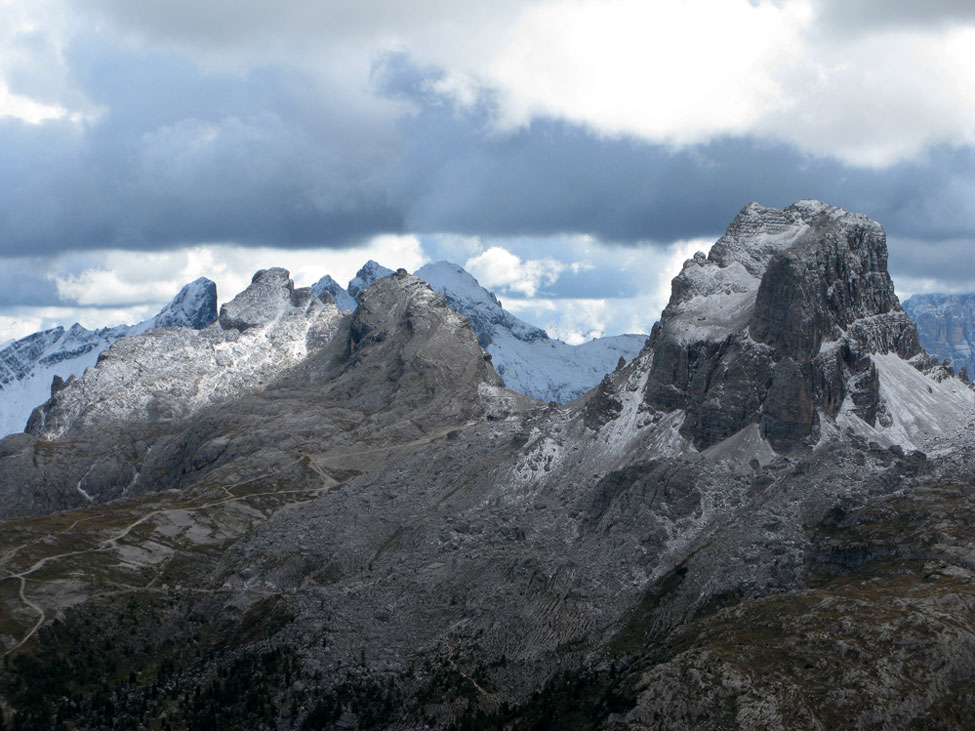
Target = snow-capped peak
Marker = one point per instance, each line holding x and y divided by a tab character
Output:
525	357
476	303
194	306
29	365
343	300
369	273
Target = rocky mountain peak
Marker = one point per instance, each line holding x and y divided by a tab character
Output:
477	304
523	355
834	273
775	326
342	299
195	306
270	293
29	365
406	343
164	375
367	274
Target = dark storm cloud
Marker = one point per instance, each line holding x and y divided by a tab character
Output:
274	157
22	284
950	262
556	177
181	156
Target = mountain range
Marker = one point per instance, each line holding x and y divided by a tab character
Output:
30	367
306	516
526	358
946	326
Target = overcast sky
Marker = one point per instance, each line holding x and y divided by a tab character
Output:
569	153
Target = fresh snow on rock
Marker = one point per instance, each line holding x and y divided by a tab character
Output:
921	412
195	306
264	330
369	273
526	358
29	365
343	300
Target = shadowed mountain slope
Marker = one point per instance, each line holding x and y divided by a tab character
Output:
379	535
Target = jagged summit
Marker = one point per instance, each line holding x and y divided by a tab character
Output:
265	329
195	306
343	300
777	326
30	365
350	506
402	350
270	294
367	274
524	356
527	360
476	303
406	343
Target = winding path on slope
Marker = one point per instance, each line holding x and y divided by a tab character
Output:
313	463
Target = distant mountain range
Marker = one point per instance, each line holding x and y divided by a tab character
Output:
946	327
30	366
525	357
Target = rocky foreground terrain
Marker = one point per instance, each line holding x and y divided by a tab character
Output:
302	517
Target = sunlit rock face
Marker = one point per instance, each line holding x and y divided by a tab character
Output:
34	367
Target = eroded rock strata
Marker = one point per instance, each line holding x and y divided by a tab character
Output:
758	522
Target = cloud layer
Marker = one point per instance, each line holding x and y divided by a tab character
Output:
507	135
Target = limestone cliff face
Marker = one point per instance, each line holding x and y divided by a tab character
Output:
772	327
164	408
167	375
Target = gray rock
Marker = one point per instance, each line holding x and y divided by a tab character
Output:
946	326
369	273
380	528
788	306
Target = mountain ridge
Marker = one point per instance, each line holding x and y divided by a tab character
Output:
29	365
382	535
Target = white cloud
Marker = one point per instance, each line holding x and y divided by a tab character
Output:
876	99
573	320
27	109
19	322
807	72
129	277
499	268
578	319
685	72
674	72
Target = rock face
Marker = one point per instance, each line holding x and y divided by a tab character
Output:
264	330
526	358
29	365
367	274
403	346
946	327
195	306
773	326
343	300
364	529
